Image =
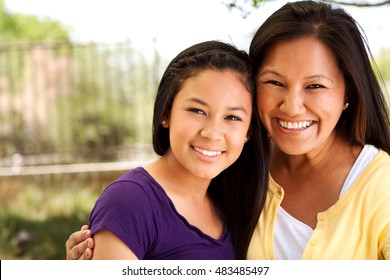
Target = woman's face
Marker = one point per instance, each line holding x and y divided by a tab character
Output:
301	95
208	123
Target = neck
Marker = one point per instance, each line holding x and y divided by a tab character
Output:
188	194
175	179
337	149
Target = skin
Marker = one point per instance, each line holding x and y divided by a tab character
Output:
301	96
79	245
208	124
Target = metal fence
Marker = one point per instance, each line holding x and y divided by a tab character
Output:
66	103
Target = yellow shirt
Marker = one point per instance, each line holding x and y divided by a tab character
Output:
356	227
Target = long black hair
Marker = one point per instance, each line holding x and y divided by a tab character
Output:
366	121
238	193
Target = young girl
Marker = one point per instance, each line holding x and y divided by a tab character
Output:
201	198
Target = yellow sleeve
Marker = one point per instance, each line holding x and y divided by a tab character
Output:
384	245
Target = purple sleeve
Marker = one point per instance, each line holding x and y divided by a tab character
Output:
125	210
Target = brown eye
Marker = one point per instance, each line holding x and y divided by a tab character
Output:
315	86
276	83
233	118
196	111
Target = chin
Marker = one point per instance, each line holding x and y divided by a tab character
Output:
207	175
292	150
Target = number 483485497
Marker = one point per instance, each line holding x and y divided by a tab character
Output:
242	270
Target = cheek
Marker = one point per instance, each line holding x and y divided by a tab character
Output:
236	152
264	105
178	131
327	109
237	141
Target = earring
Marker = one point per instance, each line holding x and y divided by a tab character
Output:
164	123
346	105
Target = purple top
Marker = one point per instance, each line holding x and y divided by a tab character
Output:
137	210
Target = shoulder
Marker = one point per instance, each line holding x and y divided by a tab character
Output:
134	183
135	189
373	186
133	195
379	168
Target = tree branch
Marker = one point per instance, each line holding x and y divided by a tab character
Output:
360	3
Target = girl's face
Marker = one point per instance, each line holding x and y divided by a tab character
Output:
208	123
301	95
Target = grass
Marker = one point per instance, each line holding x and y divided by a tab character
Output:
38	214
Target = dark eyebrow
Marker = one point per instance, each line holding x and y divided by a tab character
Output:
319	76
269	72
307	78
197	100
203	103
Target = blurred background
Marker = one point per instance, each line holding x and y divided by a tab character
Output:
77	85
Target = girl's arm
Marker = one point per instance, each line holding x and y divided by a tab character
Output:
109	247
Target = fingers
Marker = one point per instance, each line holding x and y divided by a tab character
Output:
76	238
84	227
78	243
87	255
85	251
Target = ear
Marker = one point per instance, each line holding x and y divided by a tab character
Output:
165	124
248	134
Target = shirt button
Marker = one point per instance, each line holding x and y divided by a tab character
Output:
315	242
322	217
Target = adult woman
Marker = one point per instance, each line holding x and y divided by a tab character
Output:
319	99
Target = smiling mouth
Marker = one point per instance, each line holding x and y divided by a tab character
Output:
295	125
207	153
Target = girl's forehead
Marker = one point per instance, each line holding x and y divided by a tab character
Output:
215	88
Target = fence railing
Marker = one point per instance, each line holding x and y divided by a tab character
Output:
66	103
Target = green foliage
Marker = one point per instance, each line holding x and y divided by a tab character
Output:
109	93
96	100
383	62
245	7
39	214
95	121
17	27
254	3
26	238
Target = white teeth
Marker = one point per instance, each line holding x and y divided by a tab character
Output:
207	153
295	125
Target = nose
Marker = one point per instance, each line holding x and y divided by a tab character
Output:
293	104
212	130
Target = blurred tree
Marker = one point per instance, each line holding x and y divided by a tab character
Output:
246	6
17	27
383	63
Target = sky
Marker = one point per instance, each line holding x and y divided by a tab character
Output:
173	25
